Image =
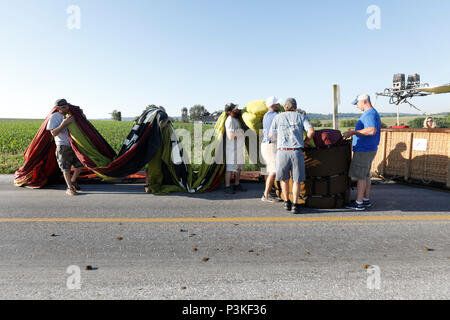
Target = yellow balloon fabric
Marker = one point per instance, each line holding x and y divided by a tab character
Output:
257	107
253	114
252	121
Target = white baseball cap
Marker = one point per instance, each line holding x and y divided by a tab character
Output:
361	97
271	101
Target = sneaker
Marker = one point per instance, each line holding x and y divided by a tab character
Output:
269	198
239	188
71	192
288	205
367	203
76	186
296	209
355	206
275	197
229	190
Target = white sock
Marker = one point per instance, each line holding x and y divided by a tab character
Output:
365	199
357	202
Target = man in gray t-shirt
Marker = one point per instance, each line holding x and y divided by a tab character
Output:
287	128
65	156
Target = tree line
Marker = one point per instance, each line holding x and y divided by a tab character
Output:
198	112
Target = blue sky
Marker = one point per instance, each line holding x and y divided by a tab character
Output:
128	54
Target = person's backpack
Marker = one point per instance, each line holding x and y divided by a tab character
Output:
328	137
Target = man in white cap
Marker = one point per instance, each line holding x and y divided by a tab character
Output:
65	156
269	147
366	138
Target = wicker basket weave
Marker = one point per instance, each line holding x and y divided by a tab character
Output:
397	157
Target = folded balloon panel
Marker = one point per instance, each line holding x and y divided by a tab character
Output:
39	159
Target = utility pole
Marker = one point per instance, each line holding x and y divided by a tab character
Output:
336	103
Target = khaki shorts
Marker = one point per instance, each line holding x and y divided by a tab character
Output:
269	155
66	158
361	164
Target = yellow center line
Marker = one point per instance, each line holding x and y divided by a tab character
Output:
235	219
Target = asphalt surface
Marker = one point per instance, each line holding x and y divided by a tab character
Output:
322	254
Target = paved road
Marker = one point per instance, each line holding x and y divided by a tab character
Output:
261	253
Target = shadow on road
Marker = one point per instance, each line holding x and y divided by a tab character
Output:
385	197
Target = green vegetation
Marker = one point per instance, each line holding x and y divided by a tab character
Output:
392	121
443	122
116	115
16	135
348	123
197	112
316	123
416	123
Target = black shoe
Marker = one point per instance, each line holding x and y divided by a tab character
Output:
367	203
275	197
288	205
239	188
355	206
229	190
76	186
296	209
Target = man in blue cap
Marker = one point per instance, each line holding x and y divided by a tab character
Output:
366	138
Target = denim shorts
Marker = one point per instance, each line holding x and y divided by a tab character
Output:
290	161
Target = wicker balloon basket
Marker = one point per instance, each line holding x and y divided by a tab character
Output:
414	155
